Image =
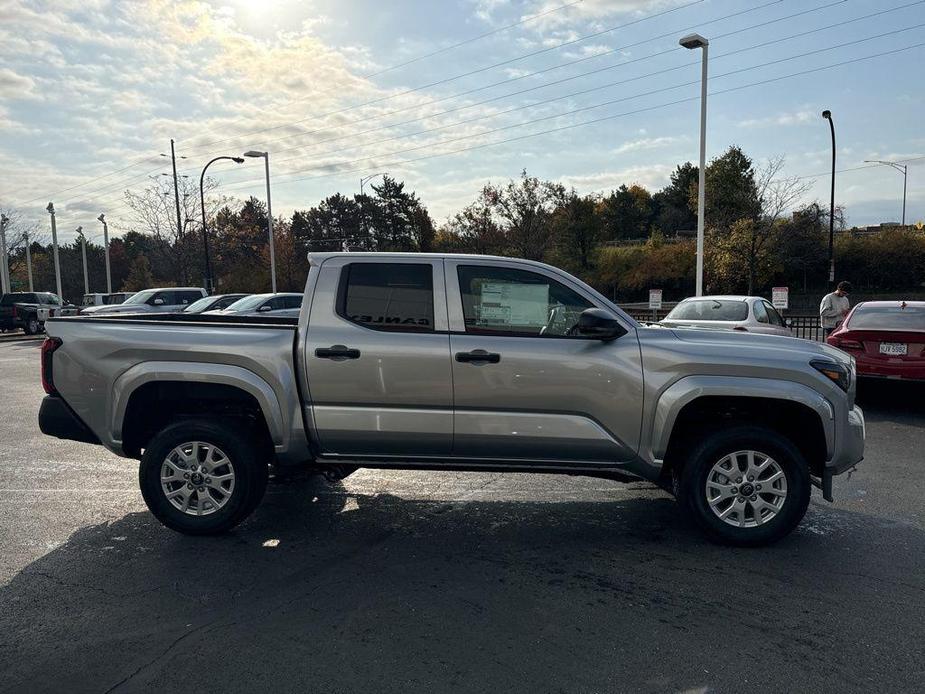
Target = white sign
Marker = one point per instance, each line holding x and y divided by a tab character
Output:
655	299
780	297
503	303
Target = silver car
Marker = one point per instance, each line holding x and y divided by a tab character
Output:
166	300
280	304
752	314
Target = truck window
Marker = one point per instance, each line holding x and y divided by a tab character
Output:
761	313
292	302
186	297
498	300
388	296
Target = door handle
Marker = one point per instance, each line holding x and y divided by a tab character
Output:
337	352
478	355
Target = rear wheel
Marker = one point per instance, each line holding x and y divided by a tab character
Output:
202	477
32	326
746	486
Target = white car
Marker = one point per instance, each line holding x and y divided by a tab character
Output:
281	304
113	299
164	300
752	314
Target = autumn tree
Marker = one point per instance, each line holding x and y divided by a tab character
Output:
627	213
523	211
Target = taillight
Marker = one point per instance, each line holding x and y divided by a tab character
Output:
48	349
14	310
848	344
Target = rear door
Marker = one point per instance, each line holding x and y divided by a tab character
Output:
377	358
525	386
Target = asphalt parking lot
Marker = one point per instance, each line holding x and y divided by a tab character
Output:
451	582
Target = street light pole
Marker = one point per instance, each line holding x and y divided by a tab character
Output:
83	253
5	267
205	229
828	116
28	259
102	218
266	161
54	244
693	41
904	170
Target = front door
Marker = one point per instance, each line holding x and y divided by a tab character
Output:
526	387
377	358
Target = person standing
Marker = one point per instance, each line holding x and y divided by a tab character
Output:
834	308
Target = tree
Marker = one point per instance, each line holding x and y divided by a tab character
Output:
474	230
674	212
325	227
523	209
578	229
139	276
732	192
628	212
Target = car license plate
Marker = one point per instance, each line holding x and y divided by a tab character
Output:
897	349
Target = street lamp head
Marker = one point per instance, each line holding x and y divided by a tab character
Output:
827	114
51	208
102	218
694	41
254	153
237	160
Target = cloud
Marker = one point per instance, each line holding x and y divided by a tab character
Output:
15	86
800	117
648	143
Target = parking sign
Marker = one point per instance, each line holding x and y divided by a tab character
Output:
780	297
655	299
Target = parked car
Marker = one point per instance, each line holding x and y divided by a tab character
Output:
265	304
165	300
113	299
456	362
28	310
93	299
740	313
216	302
886	339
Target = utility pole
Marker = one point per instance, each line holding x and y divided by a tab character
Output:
5	267
828	116
176	189
28	259
102	218
54	244
83	253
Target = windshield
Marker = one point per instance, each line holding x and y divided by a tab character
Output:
140	297
888	318
248	303
200	305
710	309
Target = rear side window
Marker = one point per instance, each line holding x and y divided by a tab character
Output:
710	309
761	313
388	296
292	302
187	297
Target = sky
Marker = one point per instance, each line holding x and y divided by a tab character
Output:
450	95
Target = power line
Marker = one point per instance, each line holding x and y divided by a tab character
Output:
601	119
549	100
672	33
447	80
606	103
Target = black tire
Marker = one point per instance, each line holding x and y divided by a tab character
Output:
31	326
243	450
713	448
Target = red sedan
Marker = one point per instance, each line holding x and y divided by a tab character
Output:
887	338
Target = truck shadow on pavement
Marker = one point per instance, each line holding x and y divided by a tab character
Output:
325	590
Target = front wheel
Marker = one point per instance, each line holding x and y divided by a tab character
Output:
202	477
746	486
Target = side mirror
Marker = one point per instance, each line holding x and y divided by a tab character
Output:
265	307
599	324
158	302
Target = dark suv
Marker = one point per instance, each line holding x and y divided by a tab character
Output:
20	310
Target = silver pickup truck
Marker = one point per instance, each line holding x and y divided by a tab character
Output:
455	362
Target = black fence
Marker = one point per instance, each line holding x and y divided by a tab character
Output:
804	325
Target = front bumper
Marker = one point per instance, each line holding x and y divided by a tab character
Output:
57	419
850	443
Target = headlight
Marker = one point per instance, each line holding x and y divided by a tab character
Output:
836	373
